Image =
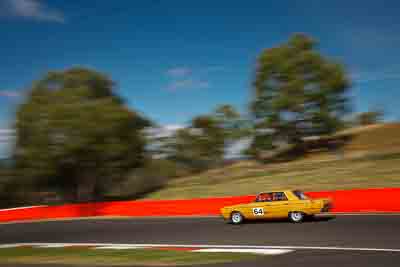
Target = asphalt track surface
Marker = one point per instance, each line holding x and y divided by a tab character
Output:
379	232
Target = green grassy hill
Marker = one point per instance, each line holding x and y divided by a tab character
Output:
371	158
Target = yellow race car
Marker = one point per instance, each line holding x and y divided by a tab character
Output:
292	204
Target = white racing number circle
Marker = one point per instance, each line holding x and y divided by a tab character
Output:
258	211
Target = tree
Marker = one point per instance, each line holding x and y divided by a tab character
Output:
199	146
100	85
233	124
298	92
370	117
209	138
75	135
227	115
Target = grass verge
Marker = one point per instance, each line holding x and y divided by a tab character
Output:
108	257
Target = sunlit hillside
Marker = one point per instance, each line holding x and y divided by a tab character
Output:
371	158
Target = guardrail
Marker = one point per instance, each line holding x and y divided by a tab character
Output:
346	201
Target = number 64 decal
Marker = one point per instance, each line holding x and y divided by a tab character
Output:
258	211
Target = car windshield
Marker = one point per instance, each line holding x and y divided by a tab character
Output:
300	195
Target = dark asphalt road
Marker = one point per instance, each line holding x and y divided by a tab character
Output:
343	231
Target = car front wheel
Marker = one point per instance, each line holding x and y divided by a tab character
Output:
296	216
236	217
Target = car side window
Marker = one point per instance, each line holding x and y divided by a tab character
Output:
279	196
264	197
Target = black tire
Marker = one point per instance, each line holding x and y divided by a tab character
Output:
236	218
296	216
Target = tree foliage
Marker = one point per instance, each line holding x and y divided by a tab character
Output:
150	177
100	85
199	146
298	92
232	122
74	134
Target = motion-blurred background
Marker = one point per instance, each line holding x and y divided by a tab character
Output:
175	100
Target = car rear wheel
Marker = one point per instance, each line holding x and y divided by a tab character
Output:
296	216
236	217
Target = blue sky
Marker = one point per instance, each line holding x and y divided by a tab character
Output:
175	59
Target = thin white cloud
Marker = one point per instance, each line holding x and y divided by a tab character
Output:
179	72
31	9
184	78
187	84
9	93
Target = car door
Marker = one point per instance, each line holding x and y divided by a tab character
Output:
258	209
274	206
279	206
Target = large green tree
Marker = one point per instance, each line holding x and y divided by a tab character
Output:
298	92
99	84
75	135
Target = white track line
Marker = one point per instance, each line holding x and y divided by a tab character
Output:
246	250
21	208
51	246
118	247
204	246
